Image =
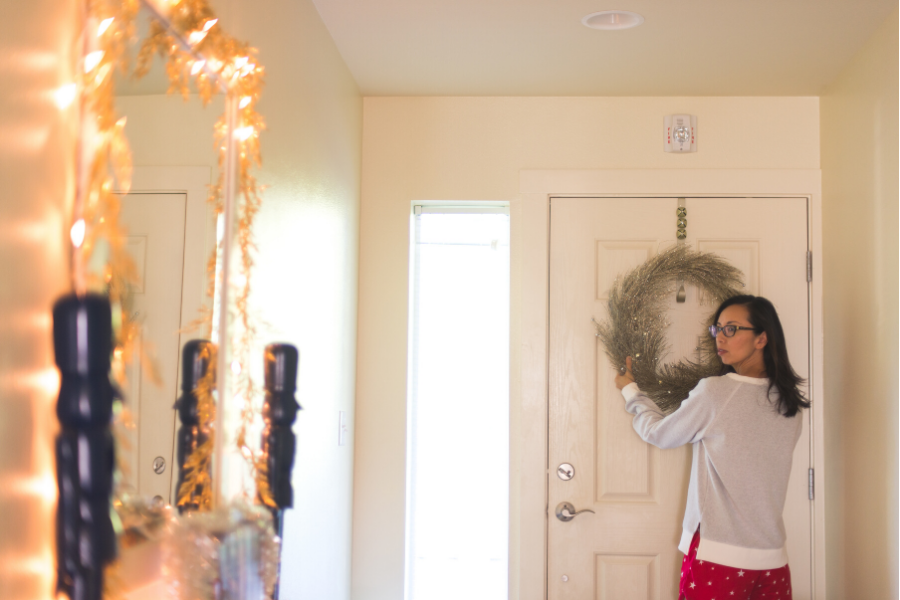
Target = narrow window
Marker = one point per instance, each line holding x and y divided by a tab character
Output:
457	476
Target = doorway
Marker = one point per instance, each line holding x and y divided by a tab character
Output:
626	548
529	333
172	234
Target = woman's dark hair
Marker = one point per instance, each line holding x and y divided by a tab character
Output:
781	375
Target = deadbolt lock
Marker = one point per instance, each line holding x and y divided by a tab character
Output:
565	471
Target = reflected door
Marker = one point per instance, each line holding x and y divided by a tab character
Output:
627	549
156	232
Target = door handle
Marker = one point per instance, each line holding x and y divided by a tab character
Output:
566	512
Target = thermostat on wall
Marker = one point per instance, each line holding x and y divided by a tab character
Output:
681	133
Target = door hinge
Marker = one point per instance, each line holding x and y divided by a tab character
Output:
812	484
809	265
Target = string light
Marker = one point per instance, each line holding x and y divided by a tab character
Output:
92	60
195	37
197	67
245	102
77	233
104	25
242	133
65	95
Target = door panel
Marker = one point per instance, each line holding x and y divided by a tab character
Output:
156	232
628	548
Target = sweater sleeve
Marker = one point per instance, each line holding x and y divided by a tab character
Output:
684	426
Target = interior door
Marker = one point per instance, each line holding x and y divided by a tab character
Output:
156	233
627	549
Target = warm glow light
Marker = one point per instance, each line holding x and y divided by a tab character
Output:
197	67
208	25
196	37
33	565
40	487
77	233
241	61
242	133
42	380
24	137
65	95
245	102
104	25
92	60
103	72
236	367
39	320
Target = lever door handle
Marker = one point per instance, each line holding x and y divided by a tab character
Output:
566	512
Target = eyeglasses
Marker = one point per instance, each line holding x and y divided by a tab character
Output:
728	330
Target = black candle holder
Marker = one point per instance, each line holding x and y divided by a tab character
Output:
85	455
279	411
196	360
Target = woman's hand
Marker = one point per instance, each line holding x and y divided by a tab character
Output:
623	379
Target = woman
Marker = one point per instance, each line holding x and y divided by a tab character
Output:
743	428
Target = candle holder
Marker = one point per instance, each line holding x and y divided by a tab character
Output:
279	411
86	540
197	379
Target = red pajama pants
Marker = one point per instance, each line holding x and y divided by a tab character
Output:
703	580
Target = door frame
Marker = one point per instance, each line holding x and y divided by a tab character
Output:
529	334
199	240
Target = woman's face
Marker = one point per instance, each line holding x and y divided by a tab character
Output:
743	351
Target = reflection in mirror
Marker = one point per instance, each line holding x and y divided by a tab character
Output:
216	62
171	233
155	224
170	236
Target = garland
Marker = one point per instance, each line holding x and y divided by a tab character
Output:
636	324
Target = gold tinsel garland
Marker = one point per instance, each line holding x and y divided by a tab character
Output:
636	324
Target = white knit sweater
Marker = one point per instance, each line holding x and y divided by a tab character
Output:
742	453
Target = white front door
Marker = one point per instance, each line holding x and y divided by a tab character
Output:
156	238
627	549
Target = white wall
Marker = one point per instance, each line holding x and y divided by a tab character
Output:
860	197
473	149
305	280
36	173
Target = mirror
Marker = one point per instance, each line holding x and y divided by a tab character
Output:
172	234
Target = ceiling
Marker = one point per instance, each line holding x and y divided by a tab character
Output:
540	47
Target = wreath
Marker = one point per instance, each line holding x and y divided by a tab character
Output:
636	325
